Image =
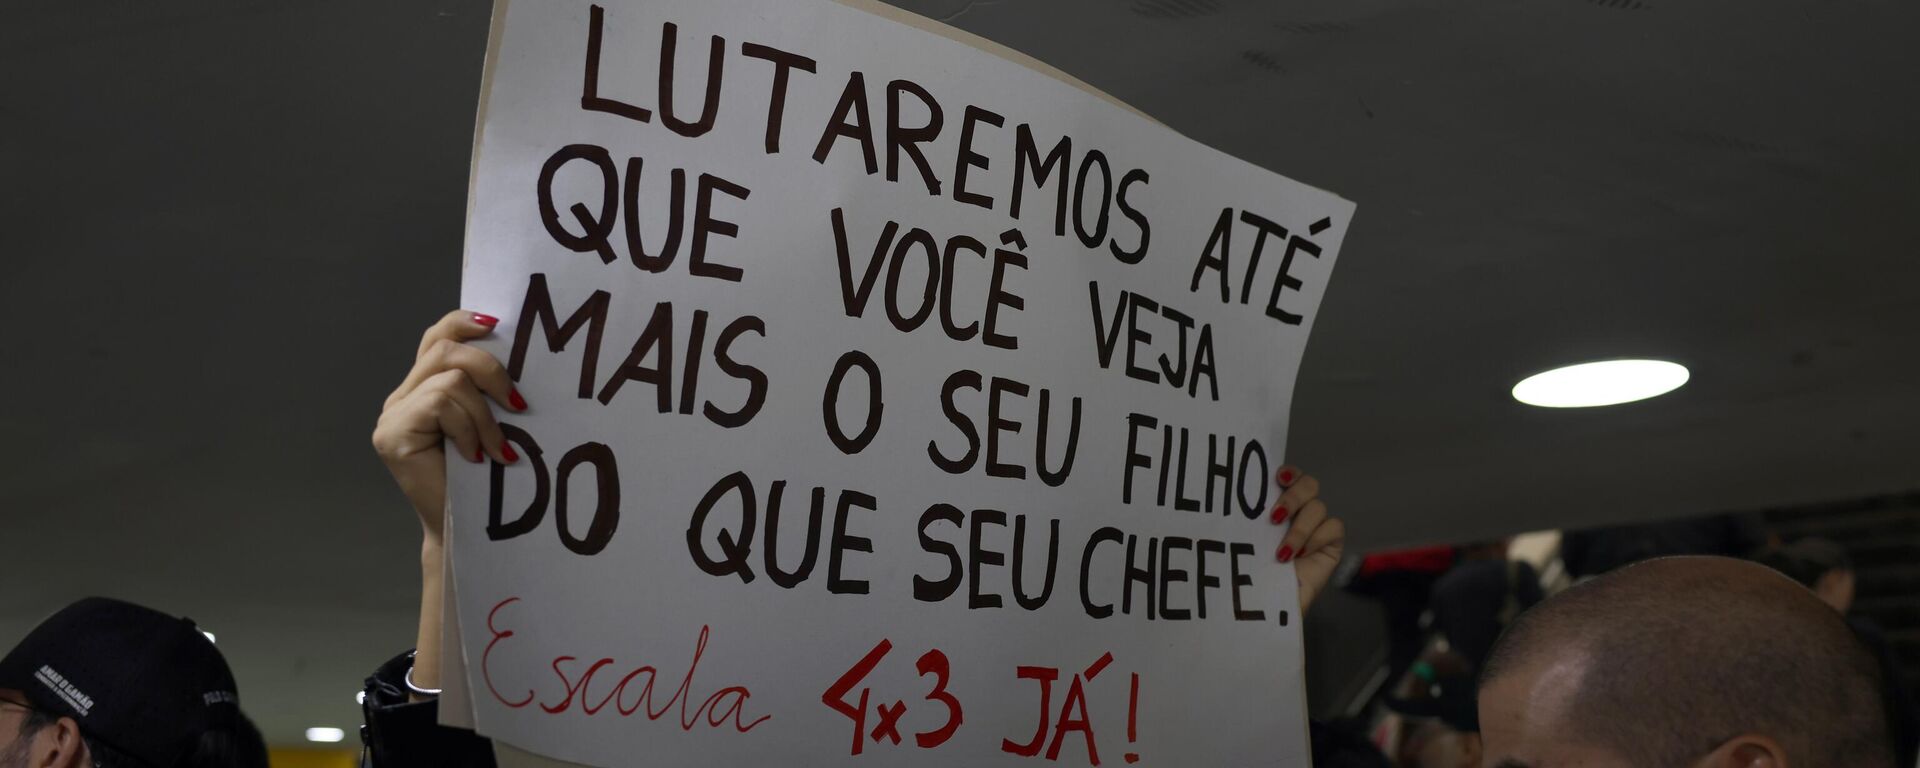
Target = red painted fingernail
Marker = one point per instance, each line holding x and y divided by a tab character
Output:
486	320
1286	477
479	455
506	449
514	399
1280	513
1285	553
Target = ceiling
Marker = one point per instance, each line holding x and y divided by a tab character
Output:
225	223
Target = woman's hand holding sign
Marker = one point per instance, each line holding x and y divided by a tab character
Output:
443	398
1315	542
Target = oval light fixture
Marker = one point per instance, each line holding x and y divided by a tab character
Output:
326	734
1604	382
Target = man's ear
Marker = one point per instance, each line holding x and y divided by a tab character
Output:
1469	750
59	746
1748	751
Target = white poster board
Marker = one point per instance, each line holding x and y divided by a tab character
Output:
842	310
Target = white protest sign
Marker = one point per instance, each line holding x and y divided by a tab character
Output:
890	403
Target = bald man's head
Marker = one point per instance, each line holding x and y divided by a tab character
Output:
1670	661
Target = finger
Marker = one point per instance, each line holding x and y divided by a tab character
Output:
485	371
1285	475
1308	518
1326	543
454	327
487	430
1305	488
1321	556
481	367
410	426
458	325
454	422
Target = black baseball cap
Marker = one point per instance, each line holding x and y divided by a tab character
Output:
144	683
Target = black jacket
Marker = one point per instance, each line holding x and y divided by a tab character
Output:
403	734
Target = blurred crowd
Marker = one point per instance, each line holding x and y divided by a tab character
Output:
1445	606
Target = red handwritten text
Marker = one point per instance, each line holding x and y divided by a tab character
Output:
631	694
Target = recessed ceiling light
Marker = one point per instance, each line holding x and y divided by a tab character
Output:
1606	382
326	735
